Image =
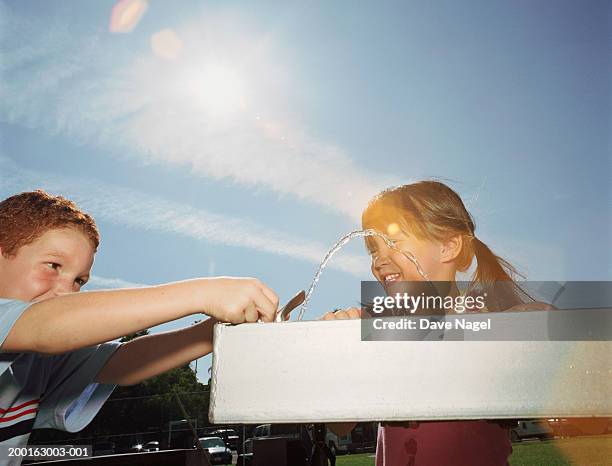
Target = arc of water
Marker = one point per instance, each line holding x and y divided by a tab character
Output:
341	242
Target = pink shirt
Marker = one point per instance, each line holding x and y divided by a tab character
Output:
456	443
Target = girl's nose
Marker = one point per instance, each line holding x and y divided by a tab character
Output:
381	258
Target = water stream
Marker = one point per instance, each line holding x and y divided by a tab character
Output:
336	247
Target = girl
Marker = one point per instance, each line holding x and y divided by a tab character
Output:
429	220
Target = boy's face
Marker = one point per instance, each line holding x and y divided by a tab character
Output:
57	262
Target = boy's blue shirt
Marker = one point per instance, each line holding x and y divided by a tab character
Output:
47	391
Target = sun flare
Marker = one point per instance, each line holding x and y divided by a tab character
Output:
217	89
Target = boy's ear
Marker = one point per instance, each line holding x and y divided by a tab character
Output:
451	248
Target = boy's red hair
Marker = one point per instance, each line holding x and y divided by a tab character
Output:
25	217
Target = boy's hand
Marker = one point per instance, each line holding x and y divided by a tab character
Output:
238	300
350	313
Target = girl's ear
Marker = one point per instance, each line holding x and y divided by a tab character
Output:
451	248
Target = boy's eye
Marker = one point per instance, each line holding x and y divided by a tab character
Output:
53	265
80	281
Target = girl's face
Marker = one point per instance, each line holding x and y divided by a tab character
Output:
389	265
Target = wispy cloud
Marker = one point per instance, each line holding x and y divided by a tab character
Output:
140	210
102	283
222	107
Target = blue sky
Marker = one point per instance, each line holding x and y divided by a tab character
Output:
254	147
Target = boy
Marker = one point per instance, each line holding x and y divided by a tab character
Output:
57	362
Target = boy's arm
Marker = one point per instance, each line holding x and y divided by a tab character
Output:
79	320
151	355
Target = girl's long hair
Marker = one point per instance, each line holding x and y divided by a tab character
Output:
431	210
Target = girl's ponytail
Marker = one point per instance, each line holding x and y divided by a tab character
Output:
496	276
490	268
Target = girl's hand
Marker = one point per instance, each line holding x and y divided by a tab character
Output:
237	300
350	313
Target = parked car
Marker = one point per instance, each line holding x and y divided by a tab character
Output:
290	438
278	430
218	452
287	431
531	428
229	436
144	447
151	446
135	448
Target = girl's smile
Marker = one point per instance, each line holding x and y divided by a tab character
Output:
389	265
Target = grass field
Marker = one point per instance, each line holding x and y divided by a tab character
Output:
366	459
581	451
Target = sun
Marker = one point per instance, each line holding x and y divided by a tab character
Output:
218	90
